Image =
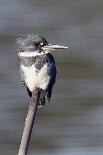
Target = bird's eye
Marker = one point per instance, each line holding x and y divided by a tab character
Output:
41	44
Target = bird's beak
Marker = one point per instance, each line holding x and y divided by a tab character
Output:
51	47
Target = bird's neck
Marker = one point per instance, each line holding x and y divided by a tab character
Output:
30	54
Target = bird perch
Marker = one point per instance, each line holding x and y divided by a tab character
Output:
38	69
29	122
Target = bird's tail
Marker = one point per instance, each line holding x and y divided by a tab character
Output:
42	100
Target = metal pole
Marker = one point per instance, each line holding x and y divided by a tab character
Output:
29	122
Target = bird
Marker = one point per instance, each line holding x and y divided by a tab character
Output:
37	65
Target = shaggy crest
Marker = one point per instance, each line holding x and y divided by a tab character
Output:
25	41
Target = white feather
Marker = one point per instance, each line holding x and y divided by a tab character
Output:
31	54
34	79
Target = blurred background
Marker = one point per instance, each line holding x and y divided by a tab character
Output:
72	124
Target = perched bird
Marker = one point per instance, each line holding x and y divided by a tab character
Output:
37	65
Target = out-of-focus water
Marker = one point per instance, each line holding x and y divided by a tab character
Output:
72	124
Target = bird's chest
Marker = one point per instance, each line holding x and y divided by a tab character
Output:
27	61
35	72
35	77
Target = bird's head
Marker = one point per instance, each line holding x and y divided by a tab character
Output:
35	45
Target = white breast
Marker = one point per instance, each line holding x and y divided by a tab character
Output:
34	79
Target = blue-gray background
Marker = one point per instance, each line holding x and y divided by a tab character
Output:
72	124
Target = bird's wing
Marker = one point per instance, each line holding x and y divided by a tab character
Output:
52	72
